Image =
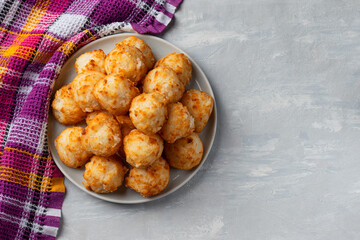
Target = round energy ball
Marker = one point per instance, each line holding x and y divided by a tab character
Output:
82	87
165	81
148	112
141	149
70	149
126	60
115	93
104	174
65	109
151	180
102	136
143	47
185	153
126	126
91	61
180	123
200	105
178	62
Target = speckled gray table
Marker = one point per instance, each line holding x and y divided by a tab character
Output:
285	163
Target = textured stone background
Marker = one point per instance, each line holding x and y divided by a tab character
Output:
285	163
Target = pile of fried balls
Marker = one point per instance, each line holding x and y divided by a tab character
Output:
139	116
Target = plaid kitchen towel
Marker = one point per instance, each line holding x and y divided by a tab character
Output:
37	37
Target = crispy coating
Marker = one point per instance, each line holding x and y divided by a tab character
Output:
165	81
180	123
82	87
90	116
102	136
104	174
200	105
143	47
148	112
126	126
115	93
126	60
142	149
91	61
149	181
185	153
65	109
178	62
70	149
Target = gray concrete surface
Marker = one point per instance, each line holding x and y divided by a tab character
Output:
285	163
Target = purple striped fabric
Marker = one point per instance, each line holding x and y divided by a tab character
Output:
36	38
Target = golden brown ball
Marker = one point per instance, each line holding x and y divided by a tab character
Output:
115	93
143	47
91	115
82	88
148	112
91	61
142	149
104	174
126	60
64	107
185	153
126	126
70	149
149	181
200	105
178	62
180	123
102	136
165	81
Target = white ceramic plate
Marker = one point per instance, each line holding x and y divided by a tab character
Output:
178	178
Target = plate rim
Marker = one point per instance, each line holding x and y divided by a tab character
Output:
156	197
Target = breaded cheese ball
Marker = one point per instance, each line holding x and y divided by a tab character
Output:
126	60
70	149
148	112
126	126
82	87
200	105
91	61
102	136
178	62
65	109
185	153
104	174
165	81
142	149
151	180
180	123
143	47
115	93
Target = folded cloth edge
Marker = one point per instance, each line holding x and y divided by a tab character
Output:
41	220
